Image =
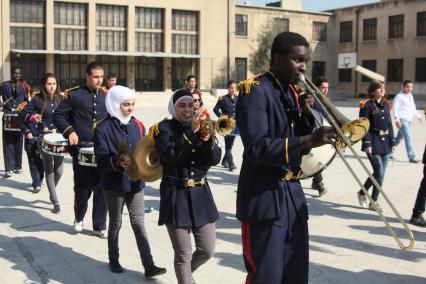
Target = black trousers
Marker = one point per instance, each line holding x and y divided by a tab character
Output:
13	142
86	181
317	178
419	206
229	143
35	163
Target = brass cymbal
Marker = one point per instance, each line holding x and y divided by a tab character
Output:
148	160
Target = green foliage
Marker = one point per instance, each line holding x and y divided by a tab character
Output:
259	58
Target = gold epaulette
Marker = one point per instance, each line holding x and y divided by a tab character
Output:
363	103
154	129
104	89
220	98
67	91
245	85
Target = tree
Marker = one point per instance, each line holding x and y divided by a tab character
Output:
259	58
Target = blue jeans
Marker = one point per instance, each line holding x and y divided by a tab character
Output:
379	163
405	132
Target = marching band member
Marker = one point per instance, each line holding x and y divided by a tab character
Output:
120	126
186	202
39	114
76	117
379	141
13	94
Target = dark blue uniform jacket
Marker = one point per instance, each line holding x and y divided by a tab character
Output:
184	159
380	135
107	135
35	106
270	125
18	96
225	105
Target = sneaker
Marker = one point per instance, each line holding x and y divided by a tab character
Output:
56	209
8	174
115	266
418	221
153	270
78	226
371	207
103	234
414	161
225	163
18	172
362	200
37	189
320	187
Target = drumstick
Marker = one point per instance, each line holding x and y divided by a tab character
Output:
5	102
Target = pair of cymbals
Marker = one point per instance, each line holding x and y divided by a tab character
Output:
148	160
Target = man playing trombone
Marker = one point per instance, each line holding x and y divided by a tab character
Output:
270	202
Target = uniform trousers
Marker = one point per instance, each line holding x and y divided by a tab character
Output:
13	142
186	261
135	205
277	252
86	181
53	169
34	162
229	143
419	206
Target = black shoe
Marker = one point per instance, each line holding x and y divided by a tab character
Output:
232	167
56	209
153	270
320	187
18	171
225	163
115	266
414	161
418	221
37	189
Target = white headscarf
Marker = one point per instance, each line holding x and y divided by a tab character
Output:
116	95
172	104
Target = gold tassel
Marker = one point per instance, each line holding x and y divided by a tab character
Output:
245	86
153	130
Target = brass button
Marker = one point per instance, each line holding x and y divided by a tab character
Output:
193	150
192	162
192	173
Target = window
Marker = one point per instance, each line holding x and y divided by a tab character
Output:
107	40
148	74
318	69
281	25
111	16
370	29
184	44
345	75
240	69
27	11
185	32
241	24
149	42
395	70
421	24
70	39
32	66
421	69
319	31
149	18
27	38
181	68
396	26
370	65
184	21
70	70
346	31
70	14
116	65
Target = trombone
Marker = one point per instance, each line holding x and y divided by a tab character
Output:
348	133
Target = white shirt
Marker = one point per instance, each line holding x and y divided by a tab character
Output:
404	107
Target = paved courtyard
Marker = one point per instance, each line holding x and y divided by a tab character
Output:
347	244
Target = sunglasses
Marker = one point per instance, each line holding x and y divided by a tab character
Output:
197	100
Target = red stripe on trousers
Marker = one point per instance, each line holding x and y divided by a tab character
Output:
245	232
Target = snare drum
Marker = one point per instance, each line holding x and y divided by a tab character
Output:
55	144
317	160
11	122
86	157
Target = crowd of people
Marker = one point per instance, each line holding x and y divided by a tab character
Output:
94	123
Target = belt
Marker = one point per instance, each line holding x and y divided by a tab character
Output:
187	182
289	175
380	132
47	130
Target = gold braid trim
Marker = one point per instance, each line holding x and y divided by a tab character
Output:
154	130
67	92
363	103
245	86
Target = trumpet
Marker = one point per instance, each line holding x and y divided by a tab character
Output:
349	132
225	125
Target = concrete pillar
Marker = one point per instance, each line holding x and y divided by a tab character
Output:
50	31
91	26
167	74
131	27
50	63
167	62
5	41
130	80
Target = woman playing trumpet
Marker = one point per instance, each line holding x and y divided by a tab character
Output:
186	202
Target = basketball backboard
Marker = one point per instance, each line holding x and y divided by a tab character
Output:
346	60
